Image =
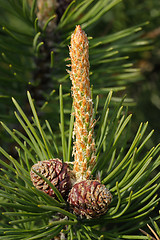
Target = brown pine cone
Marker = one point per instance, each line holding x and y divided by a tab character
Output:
89	198
56	172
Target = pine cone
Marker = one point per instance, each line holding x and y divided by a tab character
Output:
56	172
89	198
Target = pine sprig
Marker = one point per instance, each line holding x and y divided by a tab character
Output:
124	167
134	191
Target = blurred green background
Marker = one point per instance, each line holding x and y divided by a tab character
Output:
146	92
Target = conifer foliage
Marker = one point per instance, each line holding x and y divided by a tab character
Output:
34	44
108	188
29	213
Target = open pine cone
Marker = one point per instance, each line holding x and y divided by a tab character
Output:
56	172
89	198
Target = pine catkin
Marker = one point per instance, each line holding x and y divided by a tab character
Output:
45	9
84	145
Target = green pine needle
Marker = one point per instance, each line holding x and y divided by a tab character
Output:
134	193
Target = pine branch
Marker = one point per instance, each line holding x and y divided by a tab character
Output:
28	205
123	166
